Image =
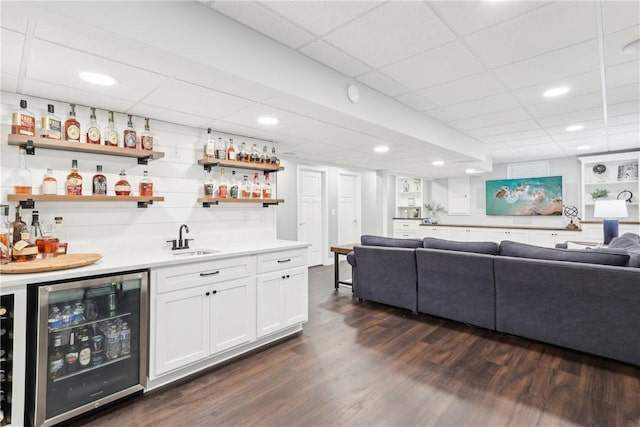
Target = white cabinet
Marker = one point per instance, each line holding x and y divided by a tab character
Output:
467	234
409	197
437	232
550	238
498	235
459	197
232	314
406	228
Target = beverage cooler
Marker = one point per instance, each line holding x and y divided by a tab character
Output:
87	345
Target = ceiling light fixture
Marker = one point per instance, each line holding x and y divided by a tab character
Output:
470	171
583	147
381	149
97	78
556	91
267	120
574	128
437	162
631	47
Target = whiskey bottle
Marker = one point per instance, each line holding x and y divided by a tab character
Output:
49	183
6	235
234	186
254	156
123	188
18	226
74	181
274	159
222	185
130	136
221	149
56	358
256	191
245	190
146	139
231	151
209	146
243	155
51	125
22	175
23	121
111	137
99	182
23	249
72	126
93	131
145	187
266	188
209	186
264	157
71	356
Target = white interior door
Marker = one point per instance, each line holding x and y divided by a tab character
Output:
349	209
310	221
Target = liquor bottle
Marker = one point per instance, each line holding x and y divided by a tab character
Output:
123	188
256	191
72	126
146	139
49	183
23	248
111	136
274	159
209	186
84	355
209	146
266	188
234	186
18	226
145	187
99	182
51	125
245	191
56	358
74	181
23	121
243	155
93	131
264	157
71	355
58	230
254	156
222	185
35	232
22	175
130	137
231	151
221	149
6	235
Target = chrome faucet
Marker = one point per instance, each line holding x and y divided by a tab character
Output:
180	243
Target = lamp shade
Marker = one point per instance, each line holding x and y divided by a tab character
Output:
610	209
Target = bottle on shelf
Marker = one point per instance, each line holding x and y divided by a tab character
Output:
84	355
74	181
209	146
243	155
111	136
222	185
71	355
256	190
130	137
266	188
123	188
125	339
6	235
245	191
274	158
209	186
221	149
264	157
254	156
56	358
233	192
23	121
49	183
145	187
72	126
114	345
146	139
22	175
231	151
99	182
93	131
51	125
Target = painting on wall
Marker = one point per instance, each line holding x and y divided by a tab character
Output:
524	196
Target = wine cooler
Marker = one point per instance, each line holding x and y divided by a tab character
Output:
89	346
6	357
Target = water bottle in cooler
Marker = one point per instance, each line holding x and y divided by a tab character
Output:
125	339
113	343
55	318
67	315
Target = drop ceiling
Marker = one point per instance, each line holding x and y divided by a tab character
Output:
450	80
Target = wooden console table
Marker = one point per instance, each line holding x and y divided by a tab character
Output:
337	251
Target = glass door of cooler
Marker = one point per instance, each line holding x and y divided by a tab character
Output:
92	337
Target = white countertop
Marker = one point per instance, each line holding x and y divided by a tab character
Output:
127	260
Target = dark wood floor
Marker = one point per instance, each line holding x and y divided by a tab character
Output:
364	364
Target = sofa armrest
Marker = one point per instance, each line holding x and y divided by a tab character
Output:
351	259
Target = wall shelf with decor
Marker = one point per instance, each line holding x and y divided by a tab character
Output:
615	176
27	201
208	201
234	164
409	197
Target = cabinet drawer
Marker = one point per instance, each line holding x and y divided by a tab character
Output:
202	273
404	226
274	261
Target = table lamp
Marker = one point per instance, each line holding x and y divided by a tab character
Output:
610	211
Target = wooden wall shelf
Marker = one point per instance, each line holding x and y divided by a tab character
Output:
208	201
27	200
208	164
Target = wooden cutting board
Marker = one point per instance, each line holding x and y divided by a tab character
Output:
61	262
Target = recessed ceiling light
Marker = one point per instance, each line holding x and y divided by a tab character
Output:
267	120
631	47
470	171
583	147
381	149
97	78
556	91
437	162
574	128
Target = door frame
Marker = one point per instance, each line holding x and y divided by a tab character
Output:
323	204
358	177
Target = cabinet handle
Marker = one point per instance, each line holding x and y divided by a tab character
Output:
288	276
283	277
214	292
213	273
207	294
282	261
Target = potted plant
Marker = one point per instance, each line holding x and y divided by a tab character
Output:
599	193
433	209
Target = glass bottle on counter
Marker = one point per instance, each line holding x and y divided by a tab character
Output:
221	149
234	186
51	125
266	188
111	136
209	186
74	181
72	126
23	121
22	175
23	249
245	191
130	137
231	151
6	235
123	188
93	131
49	183
209	146
56	358
222	185
256	191
145	187
99	182
243	155
17	226
254	156
146	139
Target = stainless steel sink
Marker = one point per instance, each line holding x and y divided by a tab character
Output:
194	252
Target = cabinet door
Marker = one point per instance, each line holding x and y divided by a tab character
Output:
459	200
295	294
182	328
269	303
233	308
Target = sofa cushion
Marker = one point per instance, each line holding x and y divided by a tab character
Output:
489	248
391	242
631	244
615	257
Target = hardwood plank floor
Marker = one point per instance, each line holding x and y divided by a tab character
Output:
364	364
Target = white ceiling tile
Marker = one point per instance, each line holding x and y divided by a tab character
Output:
320	17
416	101
391	32
482	106
551	66
442	64
319	130
631	139
172	116
631	127
623	74
265	21
617	15
578	85
382	83
622	119
521	126
442	115
570	148
509	137
615	41
623	108
9	82
624	145
541	150
623	94
13	18
326	54
248	117
587	140
529	141
12	44
490	120
554	107
547	28
572	118
504	153
563	135
464	89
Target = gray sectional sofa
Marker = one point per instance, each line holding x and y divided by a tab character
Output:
587	300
